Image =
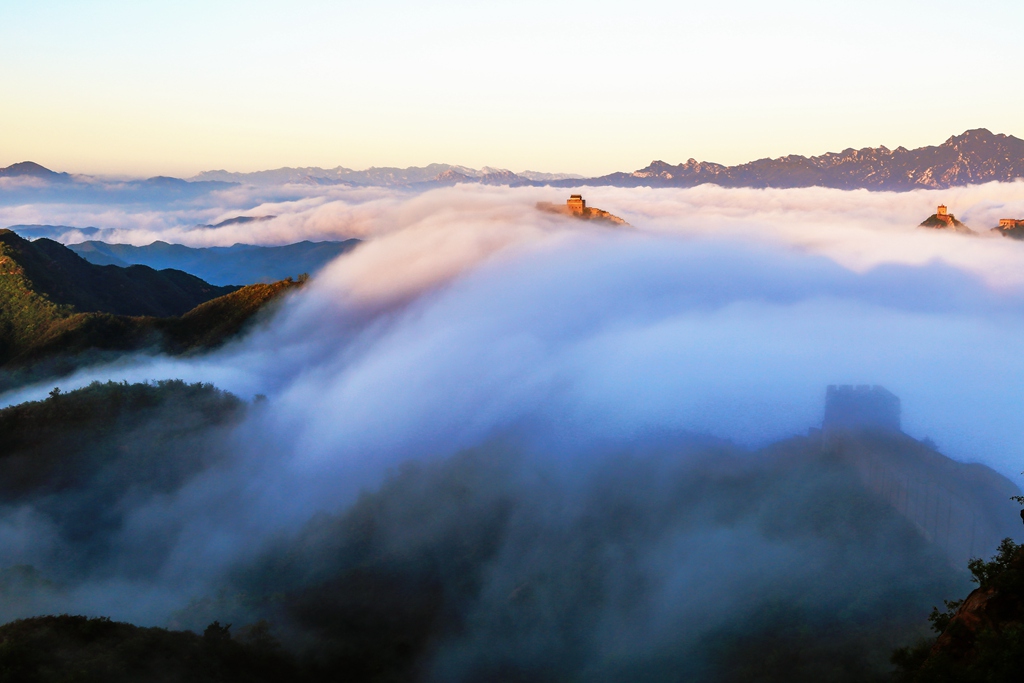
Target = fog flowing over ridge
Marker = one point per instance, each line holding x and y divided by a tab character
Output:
859	228
468	316
777	253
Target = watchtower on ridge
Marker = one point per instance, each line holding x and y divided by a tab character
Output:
861	407
943	214
576	203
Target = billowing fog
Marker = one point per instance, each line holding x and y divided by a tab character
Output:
623	370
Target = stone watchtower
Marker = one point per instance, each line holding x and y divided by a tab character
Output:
943	214
861	407
576	204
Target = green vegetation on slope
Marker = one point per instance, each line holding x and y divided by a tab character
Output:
981	637
57	273
208	325
83	460
59	312
64	440
62	649
26	316
460	563
205	327
695	559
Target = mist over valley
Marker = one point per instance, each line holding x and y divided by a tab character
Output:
288	430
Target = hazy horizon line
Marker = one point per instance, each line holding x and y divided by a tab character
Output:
126	175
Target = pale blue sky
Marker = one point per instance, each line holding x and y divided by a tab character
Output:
587	87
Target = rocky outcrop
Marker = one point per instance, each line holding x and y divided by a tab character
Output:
587	214
991	609
947	222
981	638
1012	228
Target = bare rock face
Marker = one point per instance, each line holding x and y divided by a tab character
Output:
980	610
948	222
992	608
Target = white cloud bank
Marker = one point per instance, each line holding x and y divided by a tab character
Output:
721	311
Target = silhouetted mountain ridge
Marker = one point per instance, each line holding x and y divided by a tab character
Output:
56	272
31	169
58	311
976	156
239	264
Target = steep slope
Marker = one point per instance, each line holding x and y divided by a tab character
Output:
587	214
50	325
981	637
463	556
946	222
66	342
69	440
55	272
89	337
698	560
964	509
209	324
1013	230
240	264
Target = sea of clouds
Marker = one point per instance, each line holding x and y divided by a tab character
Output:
467	312
719	310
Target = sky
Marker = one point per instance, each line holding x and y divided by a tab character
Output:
143	88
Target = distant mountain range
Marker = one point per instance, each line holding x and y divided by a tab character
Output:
58	233
433	174
240	264
976	156
28	182
30	169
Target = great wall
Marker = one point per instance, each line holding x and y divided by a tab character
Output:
576	206
964	509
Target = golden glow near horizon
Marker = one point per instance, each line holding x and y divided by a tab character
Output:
583	87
